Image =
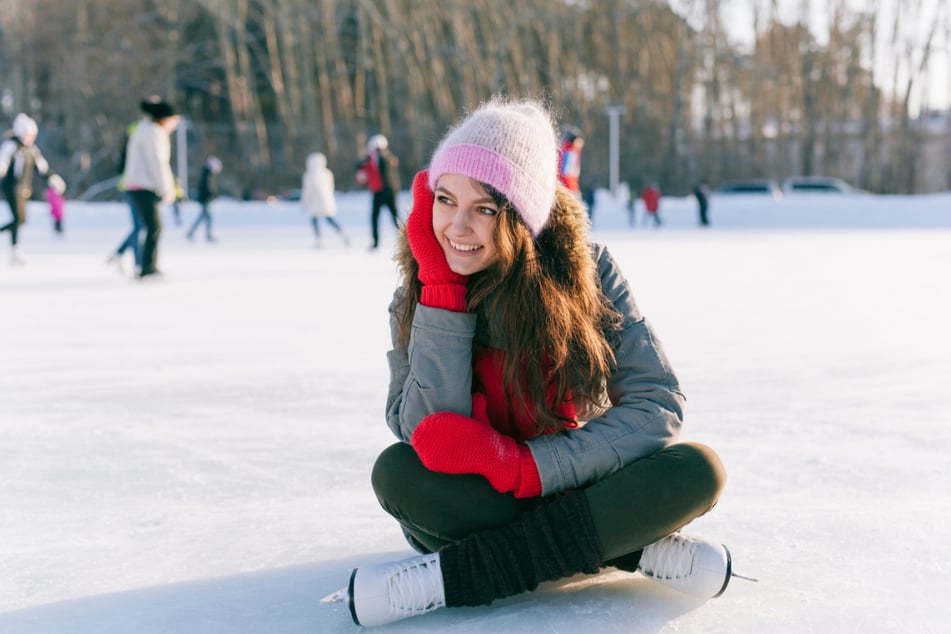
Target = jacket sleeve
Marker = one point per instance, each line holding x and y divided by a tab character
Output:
434	373
7	149
212	185
42	166
646	410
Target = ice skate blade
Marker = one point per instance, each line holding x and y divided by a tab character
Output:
336	597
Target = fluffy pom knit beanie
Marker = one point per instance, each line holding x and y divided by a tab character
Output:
511	146
24	126
377	142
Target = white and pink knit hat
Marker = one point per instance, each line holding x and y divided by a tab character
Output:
511	146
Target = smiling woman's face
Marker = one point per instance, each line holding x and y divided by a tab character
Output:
464	221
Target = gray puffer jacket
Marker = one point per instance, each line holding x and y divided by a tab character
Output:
435	374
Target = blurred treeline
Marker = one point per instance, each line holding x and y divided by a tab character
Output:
265	82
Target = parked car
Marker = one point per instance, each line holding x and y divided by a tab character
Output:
816	185
751	186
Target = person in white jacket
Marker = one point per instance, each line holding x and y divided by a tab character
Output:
148	175
317	195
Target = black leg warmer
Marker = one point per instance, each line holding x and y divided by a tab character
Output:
552	541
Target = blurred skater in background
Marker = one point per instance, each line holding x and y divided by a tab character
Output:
702	193
148	176
207	192
54	196
19	158
317	196
569	163
651	197
378	171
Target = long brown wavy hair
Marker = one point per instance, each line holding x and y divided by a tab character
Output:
545	296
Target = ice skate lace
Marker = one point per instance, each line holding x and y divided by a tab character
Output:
669	558
416	588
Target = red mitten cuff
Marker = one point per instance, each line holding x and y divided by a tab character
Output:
447	296
530	483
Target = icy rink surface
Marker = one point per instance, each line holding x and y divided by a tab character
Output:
194	456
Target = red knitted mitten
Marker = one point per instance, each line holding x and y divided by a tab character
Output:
452	443
442	288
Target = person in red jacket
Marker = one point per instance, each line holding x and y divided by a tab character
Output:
651	197
569	162
536	411
378	171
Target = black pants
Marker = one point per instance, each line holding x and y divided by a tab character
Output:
380	199
636	506
18	209
146	203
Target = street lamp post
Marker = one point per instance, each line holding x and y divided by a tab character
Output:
181	143
614	112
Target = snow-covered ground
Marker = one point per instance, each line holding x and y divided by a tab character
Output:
194	456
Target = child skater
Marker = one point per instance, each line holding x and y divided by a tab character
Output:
537	414
54	196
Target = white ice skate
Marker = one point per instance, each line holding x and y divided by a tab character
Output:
384	593
693	566
116	260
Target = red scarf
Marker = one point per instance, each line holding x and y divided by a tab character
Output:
508	415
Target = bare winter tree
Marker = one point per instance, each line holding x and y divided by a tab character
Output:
265	82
